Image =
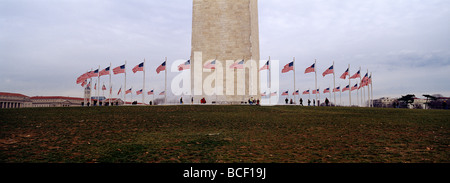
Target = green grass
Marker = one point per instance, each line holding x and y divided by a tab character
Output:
224	134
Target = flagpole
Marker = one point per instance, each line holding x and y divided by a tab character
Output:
360	81
270	83
368	91
315	71
349	85
165	82
371	88
295	98
334	85
90	90
143	87
110	87
98	84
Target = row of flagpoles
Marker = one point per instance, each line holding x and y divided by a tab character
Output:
365	81
122	70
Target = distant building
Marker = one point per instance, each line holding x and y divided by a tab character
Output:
56	101
419	104
385	102
14	100
17	100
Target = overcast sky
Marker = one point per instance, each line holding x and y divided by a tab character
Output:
46	44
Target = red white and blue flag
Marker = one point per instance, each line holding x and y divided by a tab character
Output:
139	92
296	93
355	87
128	91
185	66
119	70
288	67
120	91
346	73
285	93
139	67
329	71
162	67
306	92
162	93
238	65
311	69
274	94
93	74
104	72
265	67
103	87
263	94
356	75
84	83
326	90
316	91
337	89
346	88
150	92
82	78
210	65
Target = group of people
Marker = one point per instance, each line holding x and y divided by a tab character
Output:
327	102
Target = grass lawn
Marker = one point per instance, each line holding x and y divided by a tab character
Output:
224	134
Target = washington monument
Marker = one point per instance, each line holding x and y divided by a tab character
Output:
226	31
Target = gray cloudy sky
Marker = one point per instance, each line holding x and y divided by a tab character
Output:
46	44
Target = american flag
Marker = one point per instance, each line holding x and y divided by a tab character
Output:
103	87
316	91
288	67
210	65
329	71
346	73
296	93
150	92
162	93
346	88
84	83
263	94
82	78
265	67
238	65
120	90
139	92
285	93
355	87
311	69
185	66
162	67
306	92
337	89
128	91
93	73
95	86
139	67
357	75
274	94
119	70
326	90
104	72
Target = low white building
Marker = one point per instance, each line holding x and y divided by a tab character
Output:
14	100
